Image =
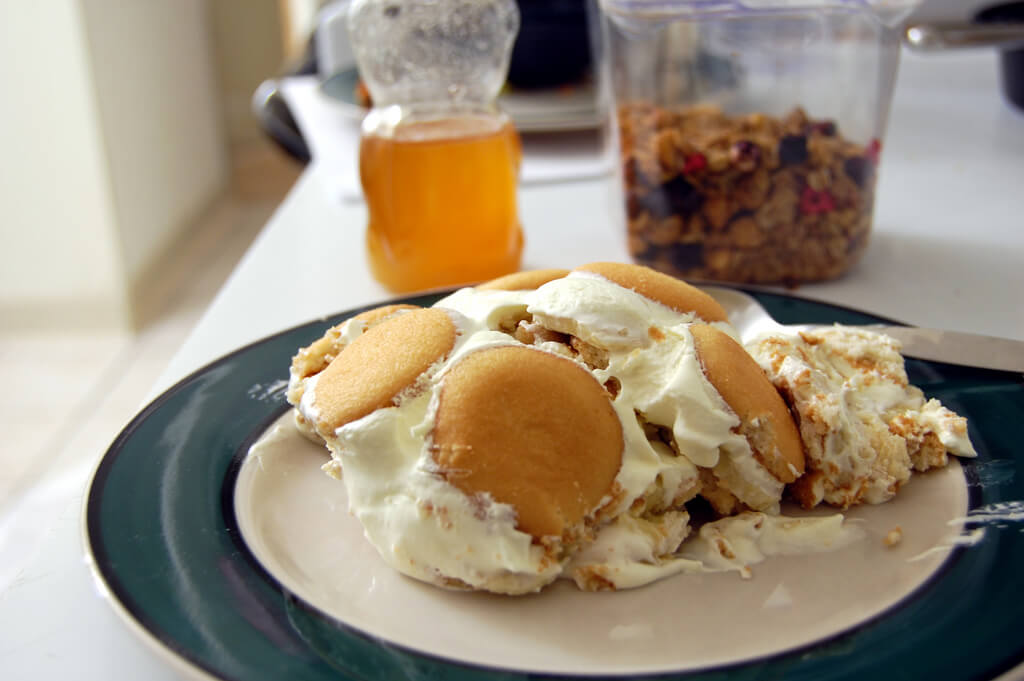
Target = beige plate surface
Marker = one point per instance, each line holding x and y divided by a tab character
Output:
295	520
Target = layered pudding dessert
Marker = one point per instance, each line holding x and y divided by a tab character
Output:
604	425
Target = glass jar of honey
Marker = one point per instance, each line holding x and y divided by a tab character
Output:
438	160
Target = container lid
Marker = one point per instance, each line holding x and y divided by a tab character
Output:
890	12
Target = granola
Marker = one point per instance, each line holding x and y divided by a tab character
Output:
750	198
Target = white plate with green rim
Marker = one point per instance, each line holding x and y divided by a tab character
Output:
176	531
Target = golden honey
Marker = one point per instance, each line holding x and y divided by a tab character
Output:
441	200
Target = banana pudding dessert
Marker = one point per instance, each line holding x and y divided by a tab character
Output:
602	425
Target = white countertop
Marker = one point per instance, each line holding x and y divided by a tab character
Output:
947	251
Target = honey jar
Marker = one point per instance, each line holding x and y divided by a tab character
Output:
438	160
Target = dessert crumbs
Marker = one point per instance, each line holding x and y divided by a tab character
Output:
893	537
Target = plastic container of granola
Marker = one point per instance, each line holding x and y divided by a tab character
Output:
749	132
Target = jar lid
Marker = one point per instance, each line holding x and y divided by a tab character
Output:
418	51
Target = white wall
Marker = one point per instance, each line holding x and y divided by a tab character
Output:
58	244
153	76
112	143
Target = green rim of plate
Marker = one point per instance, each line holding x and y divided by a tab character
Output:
160	525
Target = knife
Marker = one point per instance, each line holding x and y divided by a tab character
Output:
952	347
957	347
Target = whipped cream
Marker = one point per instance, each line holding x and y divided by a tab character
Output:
428	529
737	542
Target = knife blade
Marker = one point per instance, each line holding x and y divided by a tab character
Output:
937	345
957	347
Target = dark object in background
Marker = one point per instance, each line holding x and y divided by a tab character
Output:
272	111
277	121
1011	59
553	47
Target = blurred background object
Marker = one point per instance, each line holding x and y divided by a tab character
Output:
553	47
1009	16
948	10
949	24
